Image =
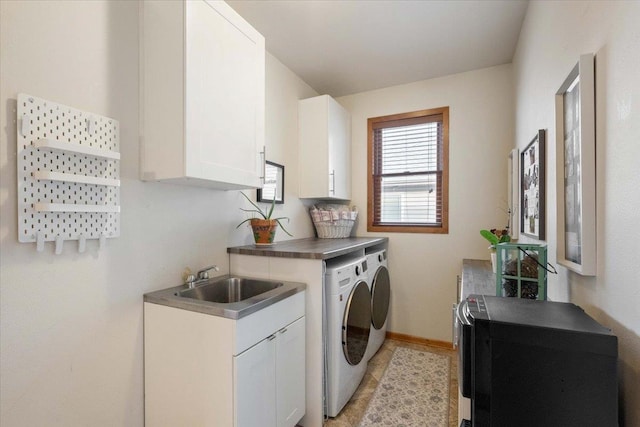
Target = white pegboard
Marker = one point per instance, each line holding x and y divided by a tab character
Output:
68	173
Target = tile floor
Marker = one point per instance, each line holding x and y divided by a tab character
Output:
354	410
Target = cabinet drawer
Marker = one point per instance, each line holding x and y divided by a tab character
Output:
261	324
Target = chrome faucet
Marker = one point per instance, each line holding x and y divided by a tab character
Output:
202	275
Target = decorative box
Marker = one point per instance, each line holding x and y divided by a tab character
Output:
521	270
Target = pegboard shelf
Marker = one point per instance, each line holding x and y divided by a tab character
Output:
81	179
68	207
68	170
53	144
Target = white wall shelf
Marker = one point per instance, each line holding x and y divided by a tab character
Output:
76	148
67	207
68	174
69	177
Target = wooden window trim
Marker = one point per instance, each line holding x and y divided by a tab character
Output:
373	123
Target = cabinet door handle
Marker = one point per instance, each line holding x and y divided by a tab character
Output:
271	337
455	326
283	330
332	190
263	153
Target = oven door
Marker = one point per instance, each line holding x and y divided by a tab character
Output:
463	341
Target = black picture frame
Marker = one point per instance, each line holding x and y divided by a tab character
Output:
532	188
273	184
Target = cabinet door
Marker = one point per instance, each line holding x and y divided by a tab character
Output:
324	129
339	151
255	381
313	153
224	95
290	369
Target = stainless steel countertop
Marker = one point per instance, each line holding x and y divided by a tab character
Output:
234	310
311	248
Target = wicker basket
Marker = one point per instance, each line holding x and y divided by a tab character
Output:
334	229
335	222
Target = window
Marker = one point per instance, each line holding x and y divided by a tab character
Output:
408	172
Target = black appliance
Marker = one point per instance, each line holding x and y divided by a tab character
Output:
535	363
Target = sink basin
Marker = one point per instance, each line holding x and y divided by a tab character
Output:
227	296
229	290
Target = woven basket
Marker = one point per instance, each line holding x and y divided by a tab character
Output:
338	229
333	221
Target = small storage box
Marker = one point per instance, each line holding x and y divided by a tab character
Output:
521	270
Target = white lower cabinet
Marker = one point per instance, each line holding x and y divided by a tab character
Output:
290	367
269	380
209	371
255	385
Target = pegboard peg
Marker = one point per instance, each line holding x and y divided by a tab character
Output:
25	124
39	241
91	125
59	244
103	240
82	243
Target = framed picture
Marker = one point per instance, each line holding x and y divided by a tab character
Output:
532	188
513	192
576	169
273	184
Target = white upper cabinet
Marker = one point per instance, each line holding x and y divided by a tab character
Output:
324	138
202	85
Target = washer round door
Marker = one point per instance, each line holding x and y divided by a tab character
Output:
380	294
357	323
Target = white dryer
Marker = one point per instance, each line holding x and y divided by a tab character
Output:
348	321
380	288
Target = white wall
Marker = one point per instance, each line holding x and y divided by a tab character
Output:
553	37
284	89
71	324
423	267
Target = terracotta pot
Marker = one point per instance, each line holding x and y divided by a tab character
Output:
264	230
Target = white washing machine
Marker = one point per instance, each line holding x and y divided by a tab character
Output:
348	322
380	288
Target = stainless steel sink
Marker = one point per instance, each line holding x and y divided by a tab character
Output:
229	290
227	296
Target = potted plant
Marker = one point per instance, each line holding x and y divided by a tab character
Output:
495	236
264	227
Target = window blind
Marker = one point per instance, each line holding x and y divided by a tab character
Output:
408	167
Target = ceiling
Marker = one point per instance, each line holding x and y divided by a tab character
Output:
341	47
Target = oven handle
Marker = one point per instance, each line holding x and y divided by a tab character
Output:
456	329
459	317
462	313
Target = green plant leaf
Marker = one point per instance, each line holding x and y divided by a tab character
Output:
282	226
259	210
262	213
492	238
256	211
505	238
273	205
246	220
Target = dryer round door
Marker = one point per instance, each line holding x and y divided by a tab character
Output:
380	293
357	323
